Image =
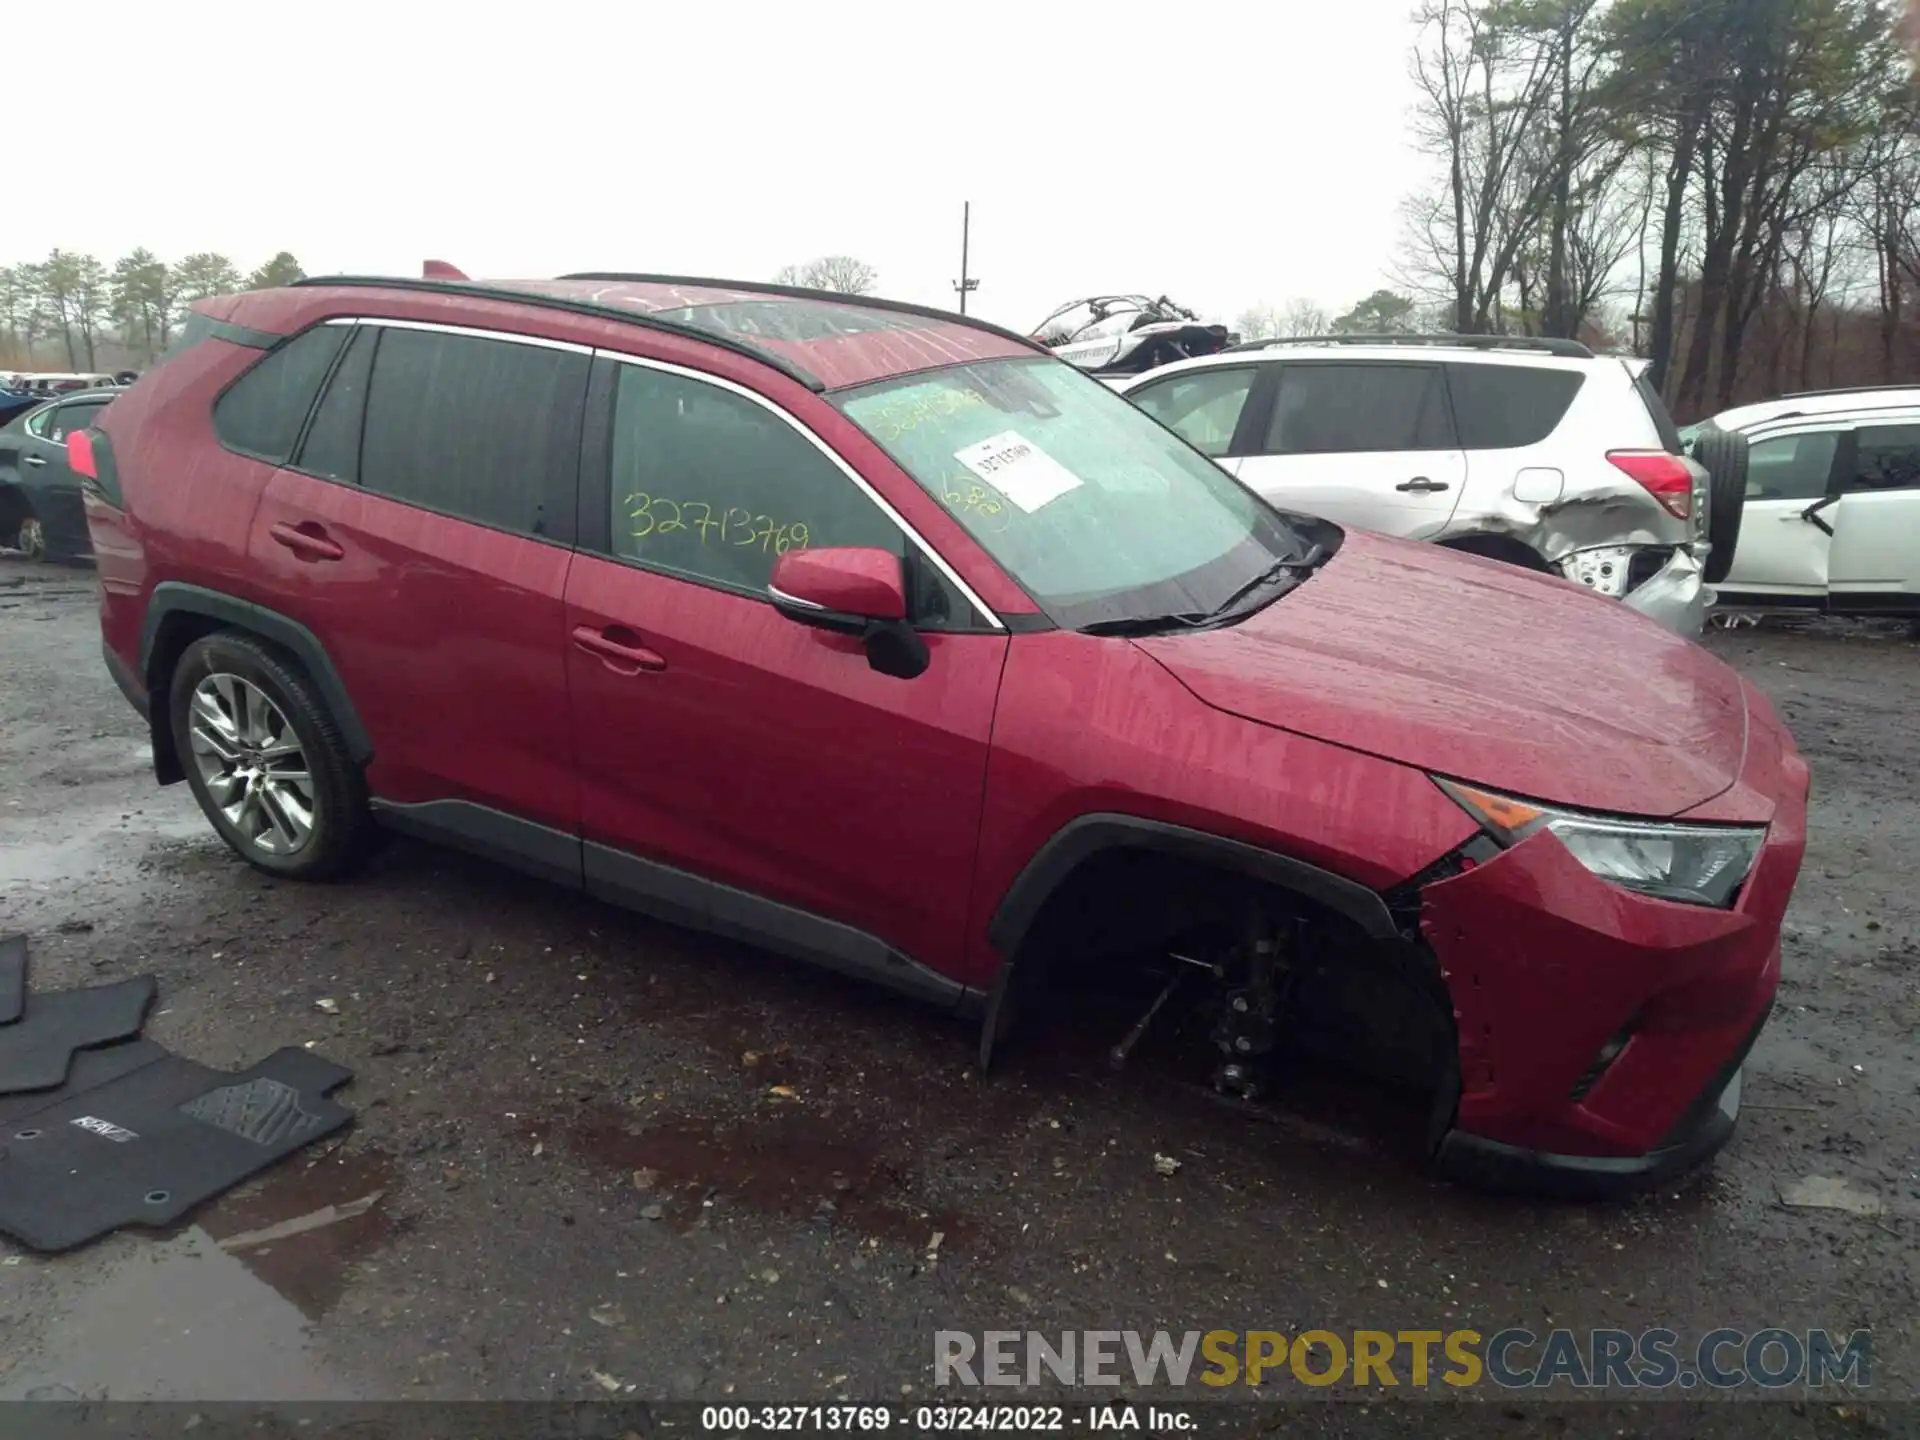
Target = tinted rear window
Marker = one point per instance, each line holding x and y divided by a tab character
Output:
262	412
482	429
1356	408
1502	407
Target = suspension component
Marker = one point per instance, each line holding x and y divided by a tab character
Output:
1249	1025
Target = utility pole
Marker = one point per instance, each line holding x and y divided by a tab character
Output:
964	284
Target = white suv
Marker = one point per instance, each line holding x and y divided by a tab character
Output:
1535	452
1833	503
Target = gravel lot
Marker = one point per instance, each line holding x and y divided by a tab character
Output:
605	1150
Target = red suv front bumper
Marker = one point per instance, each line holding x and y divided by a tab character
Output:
1601	1032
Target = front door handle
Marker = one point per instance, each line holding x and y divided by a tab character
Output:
307	540
1421	485
618	648
32	460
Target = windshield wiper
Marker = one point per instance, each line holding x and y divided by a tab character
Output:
1303	564
1147	624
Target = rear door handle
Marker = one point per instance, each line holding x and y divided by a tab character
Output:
307	540
32	460
618	648
1421	485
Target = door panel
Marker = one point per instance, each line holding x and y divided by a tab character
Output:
1783	551
770	756
1363	443
1876	525
449	636
1377	492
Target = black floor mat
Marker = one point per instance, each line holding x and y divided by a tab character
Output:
37	1049
147	1145
13	977
91	1069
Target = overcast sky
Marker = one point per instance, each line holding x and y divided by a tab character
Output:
1223	154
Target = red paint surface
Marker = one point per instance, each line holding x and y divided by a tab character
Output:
848	580
702	728
1481	672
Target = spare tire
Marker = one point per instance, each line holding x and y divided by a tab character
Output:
1724	454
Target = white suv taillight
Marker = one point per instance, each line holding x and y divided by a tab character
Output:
1666	477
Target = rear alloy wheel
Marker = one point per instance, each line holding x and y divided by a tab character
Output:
252	764
1724	454
32	539
265	760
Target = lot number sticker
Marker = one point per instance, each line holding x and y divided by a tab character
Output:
1019	469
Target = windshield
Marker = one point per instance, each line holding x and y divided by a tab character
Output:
1097	511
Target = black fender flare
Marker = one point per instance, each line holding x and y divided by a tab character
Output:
1088	835
172	597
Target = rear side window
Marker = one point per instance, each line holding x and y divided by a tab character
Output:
69	418
332	446
1358	408
1657	411
486	430
1791	467
1202	407
261	413
1503	407
1887	458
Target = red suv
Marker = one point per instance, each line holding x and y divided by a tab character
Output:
880	637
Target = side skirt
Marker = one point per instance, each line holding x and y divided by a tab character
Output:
677	896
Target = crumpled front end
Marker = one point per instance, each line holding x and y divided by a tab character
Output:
1602	1032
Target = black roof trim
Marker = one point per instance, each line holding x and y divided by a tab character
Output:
1845	390
1568	349
645	321
800	292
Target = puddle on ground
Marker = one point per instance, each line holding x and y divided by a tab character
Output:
172	1319
40	863
302	1227
792	1164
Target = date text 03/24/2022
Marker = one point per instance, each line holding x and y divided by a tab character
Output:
946	1418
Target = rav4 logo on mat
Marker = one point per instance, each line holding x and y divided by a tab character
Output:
117	1133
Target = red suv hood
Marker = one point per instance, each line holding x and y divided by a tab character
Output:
1476	670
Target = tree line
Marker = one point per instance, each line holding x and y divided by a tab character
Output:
1730	188
71	308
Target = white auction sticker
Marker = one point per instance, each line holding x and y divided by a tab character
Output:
1019	469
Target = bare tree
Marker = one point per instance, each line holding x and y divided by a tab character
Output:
1484	94
840	273
1303	317
1260	322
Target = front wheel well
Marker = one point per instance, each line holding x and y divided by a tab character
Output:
1503	548
1369	1003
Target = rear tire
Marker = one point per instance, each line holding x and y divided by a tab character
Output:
1724	453
265	760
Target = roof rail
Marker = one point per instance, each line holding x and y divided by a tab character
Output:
480	291
801	292
1571	349
1845	390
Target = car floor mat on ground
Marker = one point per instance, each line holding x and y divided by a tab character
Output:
13	977
149	1144
37	1050
91	1069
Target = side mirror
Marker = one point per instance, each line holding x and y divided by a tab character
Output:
855	591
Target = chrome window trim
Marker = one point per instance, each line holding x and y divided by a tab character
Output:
899	520
476	332
784	598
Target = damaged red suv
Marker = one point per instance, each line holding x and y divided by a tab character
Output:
880	637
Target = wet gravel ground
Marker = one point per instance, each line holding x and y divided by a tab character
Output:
599	1156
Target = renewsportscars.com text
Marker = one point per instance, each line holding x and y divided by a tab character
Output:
1514	1359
